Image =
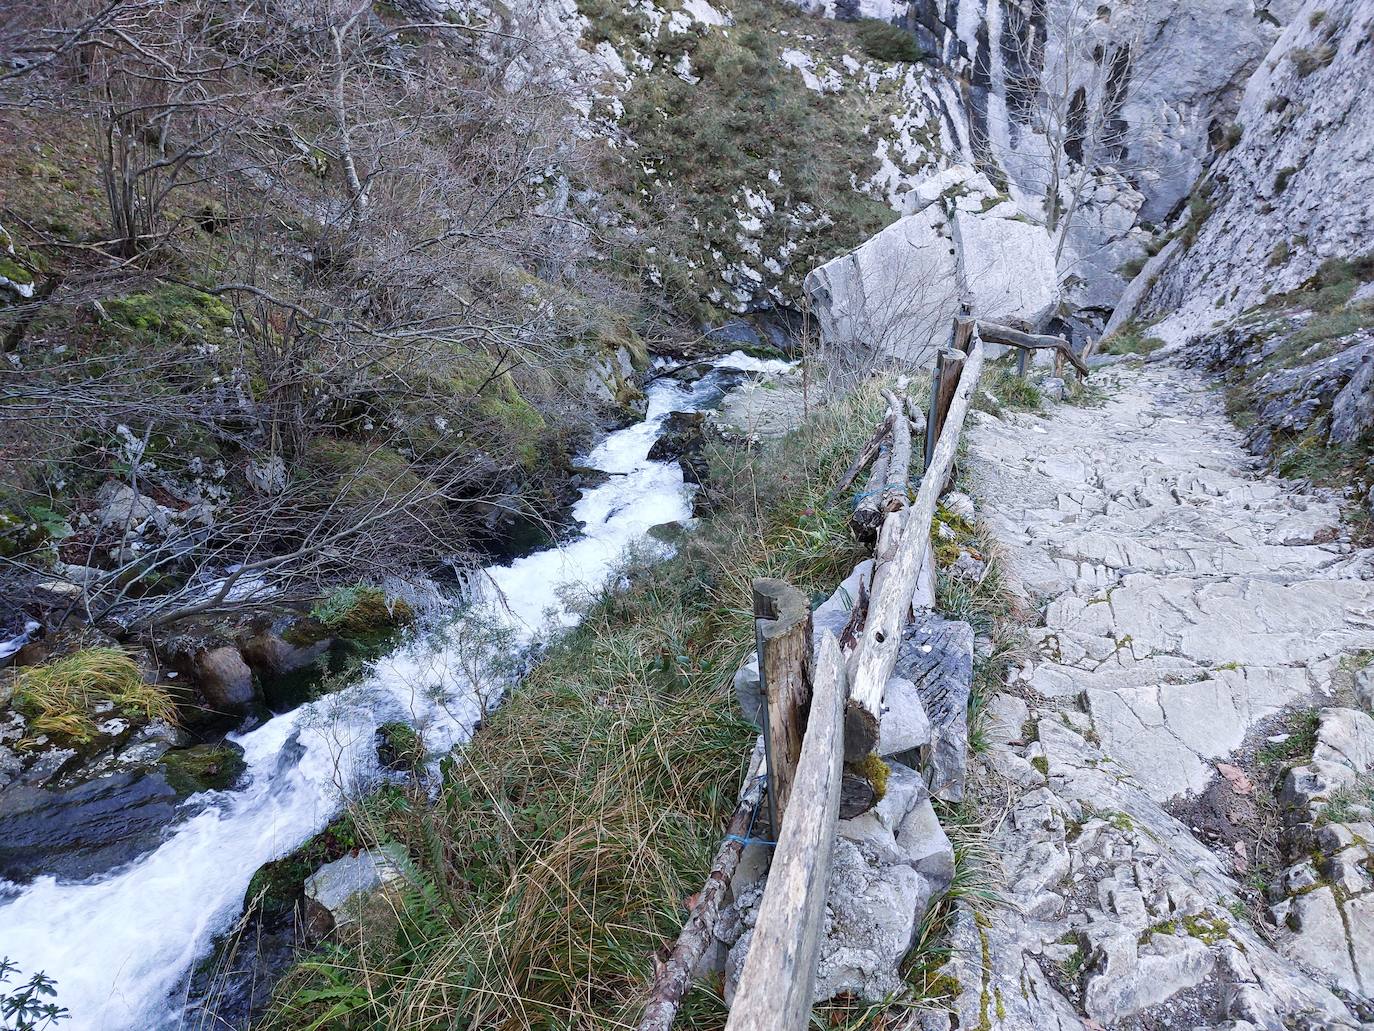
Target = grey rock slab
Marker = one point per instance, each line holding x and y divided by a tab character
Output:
1345	736
936	655
904	725
335	885
1319	943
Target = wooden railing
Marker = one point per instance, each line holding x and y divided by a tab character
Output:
823	711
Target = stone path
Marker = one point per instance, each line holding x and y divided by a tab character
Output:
1186	599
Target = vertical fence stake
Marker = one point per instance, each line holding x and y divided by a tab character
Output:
782	628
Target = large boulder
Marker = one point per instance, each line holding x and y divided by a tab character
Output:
894	297
225	681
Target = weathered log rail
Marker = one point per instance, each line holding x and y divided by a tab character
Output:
993	333
822	713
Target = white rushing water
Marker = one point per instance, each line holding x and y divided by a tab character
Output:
119	946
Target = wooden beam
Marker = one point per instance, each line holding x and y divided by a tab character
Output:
894	491
782	619
993	333
774	992
871	663
674	975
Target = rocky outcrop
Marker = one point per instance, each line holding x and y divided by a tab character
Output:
1324	902
1294	189
338	893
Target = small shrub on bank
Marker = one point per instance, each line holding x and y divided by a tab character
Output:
59	697
1307	60
883	41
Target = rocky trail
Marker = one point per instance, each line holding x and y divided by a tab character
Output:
1191	607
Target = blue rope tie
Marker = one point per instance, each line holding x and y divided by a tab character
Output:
886	486
750	841
747	838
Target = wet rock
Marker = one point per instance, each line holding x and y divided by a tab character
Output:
336	894
224	679
203	767
85	830
680	434
269	654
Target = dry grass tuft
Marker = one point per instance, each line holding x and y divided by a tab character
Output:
59	697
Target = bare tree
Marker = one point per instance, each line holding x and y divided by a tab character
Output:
1064	69
343	302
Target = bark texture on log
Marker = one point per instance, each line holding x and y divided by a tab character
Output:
894	491
993	333
775	987
674	975
782	617
868	513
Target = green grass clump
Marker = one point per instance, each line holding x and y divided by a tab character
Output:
1131	339
1007	389
360	609
883	41
1302	739
59	697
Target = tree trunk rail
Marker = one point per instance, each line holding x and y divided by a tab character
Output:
993	333
822	713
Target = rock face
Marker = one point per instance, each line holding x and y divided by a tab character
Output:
1184	599
1188	63
895	296
1295	188
224	679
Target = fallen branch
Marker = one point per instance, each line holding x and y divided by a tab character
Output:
867	453
673	976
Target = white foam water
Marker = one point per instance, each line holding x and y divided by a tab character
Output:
120	946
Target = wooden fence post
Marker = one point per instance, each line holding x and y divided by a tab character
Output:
774	992
950	366
782	622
